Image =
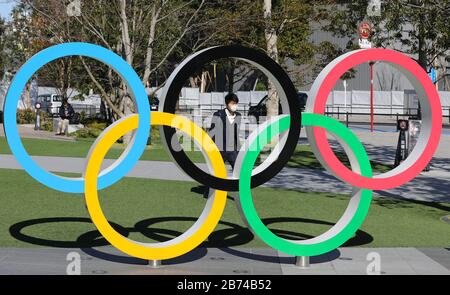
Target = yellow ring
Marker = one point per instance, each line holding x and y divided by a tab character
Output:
192	237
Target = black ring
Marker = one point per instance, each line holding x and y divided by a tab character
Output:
195	62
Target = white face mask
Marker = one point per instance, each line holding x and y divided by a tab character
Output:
232	108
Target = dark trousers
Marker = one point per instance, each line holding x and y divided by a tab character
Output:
230	157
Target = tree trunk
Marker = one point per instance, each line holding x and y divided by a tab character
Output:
229	72
27	93
151	39
422	58
127	109
272	50
423	61
126	103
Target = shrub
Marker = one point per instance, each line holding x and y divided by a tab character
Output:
46	121
27	116
91	130
95	128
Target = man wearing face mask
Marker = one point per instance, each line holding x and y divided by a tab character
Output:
225	128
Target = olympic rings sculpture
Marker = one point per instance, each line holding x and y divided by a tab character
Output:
244	178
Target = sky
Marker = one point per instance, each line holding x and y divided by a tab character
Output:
6	7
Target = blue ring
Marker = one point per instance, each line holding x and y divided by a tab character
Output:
125	163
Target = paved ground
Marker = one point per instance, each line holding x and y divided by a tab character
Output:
430	186
27	131
381	147
229	261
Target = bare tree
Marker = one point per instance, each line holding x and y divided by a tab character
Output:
145	33
271	36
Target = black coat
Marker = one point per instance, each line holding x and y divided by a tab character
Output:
222	116
62	112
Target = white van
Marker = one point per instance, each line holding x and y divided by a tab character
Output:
50	103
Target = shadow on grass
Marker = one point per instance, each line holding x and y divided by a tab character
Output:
232	236
303	157
394	202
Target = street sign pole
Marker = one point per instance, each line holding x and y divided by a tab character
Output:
365	30
345	95
371	97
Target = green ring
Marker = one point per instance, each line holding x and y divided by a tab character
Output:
300	248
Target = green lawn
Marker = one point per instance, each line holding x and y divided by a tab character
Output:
305	158
80	148
302	158
25	204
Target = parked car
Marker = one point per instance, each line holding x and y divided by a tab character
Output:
260	110
50	103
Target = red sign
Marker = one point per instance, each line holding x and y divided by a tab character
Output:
365	30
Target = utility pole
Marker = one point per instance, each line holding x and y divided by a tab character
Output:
365	31
372	97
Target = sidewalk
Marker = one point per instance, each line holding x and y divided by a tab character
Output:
228	261
27	131
431	186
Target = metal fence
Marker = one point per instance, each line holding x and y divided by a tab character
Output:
342	112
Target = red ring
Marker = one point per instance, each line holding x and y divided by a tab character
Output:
378	182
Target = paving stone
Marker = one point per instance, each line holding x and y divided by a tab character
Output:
260	261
